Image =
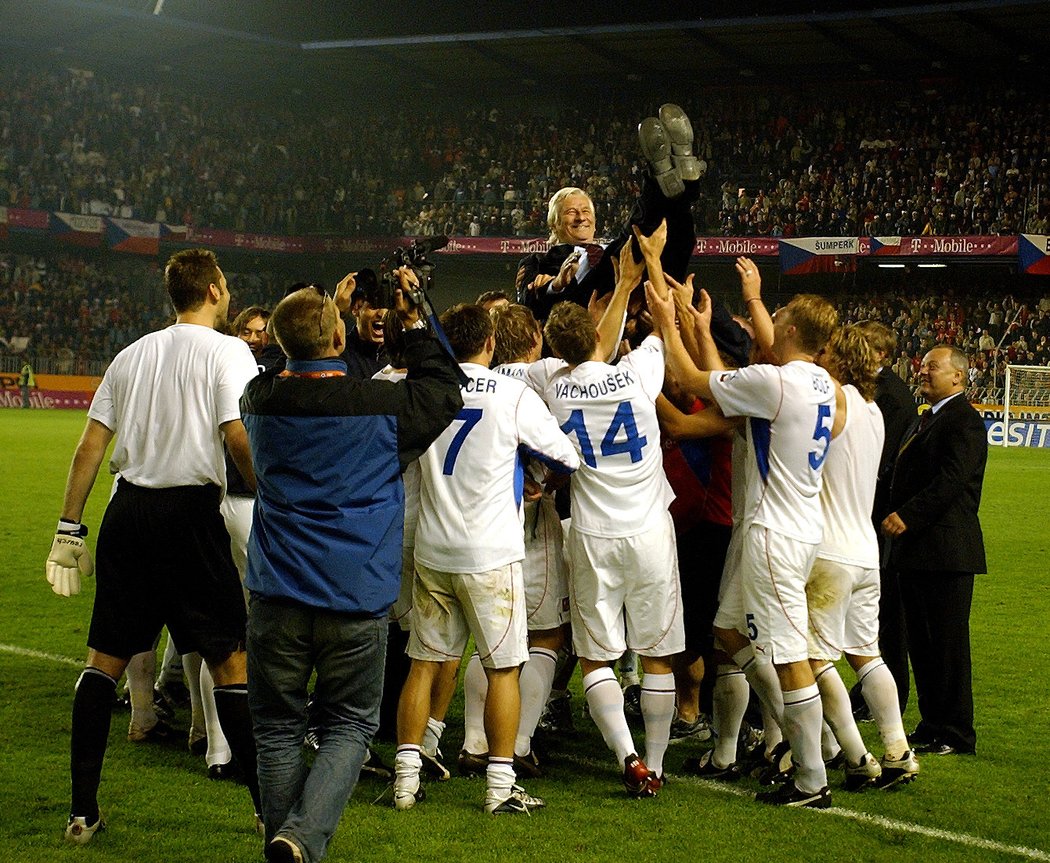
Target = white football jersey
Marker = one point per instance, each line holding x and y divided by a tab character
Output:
410	477
609	412
472	479
850	472
791	409
167	433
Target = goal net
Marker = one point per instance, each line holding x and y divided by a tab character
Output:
1026	396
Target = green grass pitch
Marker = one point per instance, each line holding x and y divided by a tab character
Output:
161	806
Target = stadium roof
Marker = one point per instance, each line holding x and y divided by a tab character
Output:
409	48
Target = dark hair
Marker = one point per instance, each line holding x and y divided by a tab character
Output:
187	276
492	297
249	314
467	328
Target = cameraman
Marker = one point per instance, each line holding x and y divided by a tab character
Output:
364	353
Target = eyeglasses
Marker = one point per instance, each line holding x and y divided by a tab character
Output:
325	296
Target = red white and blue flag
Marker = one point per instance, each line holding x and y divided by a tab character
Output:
819	255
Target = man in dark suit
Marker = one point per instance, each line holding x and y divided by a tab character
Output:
937	548
897	404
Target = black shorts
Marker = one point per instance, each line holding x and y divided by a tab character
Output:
163	558
701	558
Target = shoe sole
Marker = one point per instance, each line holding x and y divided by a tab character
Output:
656	148
680	135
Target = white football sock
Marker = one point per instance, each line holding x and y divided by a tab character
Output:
475	688
499	777
140	671
657	699
729	703
407	765
170	666
605	700
839	715
880	693
219	751
535	681
802	721
763	679
772	734
432	736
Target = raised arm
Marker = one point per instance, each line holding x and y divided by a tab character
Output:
751	291
628	275
652	247
689	376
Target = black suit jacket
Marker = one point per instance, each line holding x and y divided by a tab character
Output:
897	404
936	491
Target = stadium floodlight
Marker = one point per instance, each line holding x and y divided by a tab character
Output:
932	266
891	266
1026	395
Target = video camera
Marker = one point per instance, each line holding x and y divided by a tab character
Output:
414	256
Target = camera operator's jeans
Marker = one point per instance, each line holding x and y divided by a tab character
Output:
286	642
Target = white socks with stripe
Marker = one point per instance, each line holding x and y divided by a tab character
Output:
537	675
658	694
802	722
605	701
880	693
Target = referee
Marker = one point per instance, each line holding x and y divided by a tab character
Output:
170	399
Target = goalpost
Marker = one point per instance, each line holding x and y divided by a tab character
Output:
1026	395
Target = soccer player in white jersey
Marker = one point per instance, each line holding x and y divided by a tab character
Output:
623	574
735	660
844	586
469	549
791	408
401	611
519	342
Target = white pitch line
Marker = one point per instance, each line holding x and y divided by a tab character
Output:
39	654
876	820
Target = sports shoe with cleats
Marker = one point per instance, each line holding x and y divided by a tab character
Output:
528	765
518	802
375	767
469	764
632	701
557	715
160	732
863	775
656	147
789	794
636	777
79	832
699	730
778	766
705	768
680	132
433	767
898	771
408	792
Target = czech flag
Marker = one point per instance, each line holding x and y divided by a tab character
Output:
1033	250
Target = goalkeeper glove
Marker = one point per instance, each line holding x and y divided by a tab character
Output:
69	558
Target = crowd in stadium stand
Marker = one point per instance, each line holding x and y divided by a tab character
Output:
829	162
74	312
